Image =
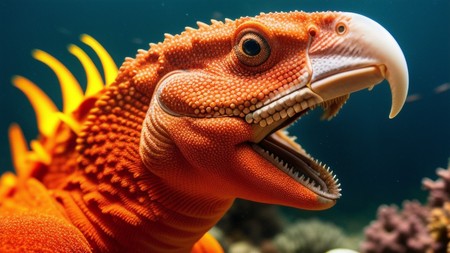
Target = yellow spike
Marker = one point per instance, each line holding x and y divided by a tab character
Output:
70	88
42	155
70	122
19	149
109	67
94	79
43	106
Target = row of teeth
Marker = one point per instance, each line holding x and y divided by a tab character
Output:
300	177
286	106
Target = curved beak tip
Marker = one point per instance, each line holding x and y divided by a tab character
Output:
399	82
384	48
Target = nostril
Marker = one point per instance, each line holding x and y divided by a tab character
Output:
312	30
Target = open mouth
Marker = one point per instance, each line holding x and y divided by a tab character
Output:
275	145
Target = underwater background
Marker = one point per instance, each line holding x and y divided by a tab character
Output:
378	160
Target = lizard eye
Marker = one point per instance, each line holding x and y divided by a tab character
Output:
252	48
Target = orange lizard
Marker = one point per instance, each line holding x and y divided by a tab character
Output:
152	160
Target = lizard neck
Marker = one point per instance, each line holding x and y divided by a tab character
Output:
116	199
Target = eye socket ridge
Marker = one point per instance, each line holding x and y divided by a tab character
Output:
252	48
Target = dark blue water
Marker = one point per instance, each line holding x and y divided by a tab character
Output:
377	160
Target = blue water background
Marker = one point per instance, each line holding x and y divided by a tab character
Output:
378	160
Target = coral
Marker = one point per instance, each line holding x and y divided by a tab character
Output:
439	190
439	201
311	236
439	227
415	228
397	231
254	227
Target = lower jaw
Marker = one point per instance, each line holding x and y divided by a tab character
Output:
280	150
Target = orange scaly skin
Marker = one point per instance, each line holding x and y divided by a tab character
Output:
150	162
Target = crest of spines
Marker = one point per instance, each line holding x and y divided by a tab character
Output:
48	116
130	65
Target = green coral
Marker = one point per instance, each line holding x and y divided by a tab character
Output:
313	236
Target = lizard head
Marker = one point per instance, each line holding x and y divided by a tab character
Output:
229	89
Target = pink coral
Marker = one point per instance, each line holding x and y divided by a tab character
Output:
399	231
439	190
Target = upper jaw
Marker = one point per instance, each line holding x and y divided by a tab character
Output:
360	59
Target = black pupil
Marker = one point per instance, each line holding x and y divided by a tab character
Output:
251	47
